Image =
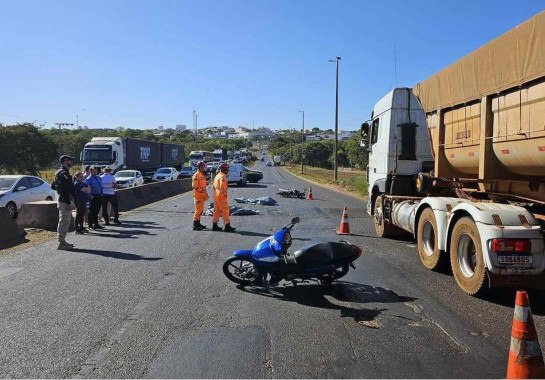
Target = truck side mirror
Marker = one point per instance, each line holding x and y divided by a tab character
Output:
364	130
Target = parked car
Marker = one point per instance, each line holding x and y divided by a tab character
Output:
269	163
128	178
18	189
187	172
165	174
237	174
253	176
211	168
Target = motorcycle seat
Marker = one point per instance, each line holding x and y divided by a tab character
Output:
322	254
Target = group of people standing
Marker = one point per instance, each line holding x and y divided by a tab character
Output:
85	191
221	203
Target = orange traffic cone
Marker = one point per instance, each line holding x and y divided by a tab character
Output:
309	194
525	358
344	228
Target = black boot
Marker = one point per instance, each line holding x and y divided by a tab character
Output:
197	226
215	227
200	225
228	228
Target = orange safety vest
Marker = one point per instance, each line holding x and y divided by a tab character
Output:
220	187
198	182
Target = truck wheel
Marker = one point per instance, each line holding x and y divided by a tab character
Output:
427	241
382	228
466	257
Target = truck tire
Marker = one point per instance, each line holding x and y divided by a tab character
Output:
382	228
466	257
423	183
427	241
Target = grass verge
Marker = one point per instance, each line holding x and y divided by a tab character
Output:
353	182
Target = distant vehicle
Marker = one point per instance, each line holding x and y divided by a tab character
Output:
165	174
253	176
211	168
237	174
269	163
220	155
132	154
128	178
200	155
277	160
18	189
187	172
262	158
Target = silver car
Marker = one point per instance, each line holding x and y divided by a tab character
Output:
18	189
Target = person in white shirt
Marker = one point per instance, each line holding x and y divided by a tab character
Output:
108	196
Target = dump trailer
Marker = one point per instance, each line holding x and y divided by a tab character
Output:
458	161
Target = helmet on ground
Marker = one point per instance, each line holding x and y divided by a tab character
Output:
224	166
201	164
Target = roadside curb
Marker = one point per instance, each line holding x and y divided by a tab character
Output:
328	187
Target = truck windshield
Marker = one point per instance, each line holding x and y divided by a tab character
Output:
196	156
97	155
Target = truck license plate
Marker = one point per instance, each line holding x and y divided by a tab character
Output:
515	259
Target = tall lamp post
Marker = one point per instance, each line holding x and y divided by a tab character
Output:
336	60
302	143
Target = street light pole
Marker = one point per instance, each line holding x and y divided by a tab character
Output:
302	143
336	117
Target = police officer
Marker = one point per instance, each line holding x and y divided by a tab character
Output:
221	204
198	182
65	203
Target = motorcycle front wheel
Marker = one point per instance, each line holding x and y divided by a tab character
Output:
240	270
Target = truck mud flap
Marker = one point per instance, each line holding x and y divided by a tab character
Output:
516	281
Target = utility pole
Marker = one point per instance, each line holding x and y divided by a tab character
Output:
194	125
336	117
302	144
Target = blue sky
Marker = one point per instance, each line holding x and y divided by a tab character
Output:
141	64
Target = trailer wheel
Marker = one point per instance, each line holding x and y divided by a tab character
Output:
466	257
427	241
382	228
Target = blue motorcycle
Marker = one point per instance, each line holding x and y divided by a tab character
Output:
270	262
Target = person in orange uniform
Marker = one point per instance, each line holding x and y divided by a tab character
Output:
198	182
221	204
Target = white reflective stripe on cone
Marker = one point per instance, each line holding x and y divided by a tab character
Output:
529	348
522	313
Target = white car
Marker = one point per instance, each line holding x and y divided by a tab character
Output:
165	174
18	189
237	174
128	178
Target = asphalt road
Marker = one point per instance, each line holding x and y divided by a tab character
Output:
149	299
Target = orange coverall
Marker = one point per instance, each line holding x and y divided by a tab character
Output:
221	205
198	182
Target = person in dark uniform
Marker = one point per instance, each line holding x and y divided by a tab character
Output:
65	203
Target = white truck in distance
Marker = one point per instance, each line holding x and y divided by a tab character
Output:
459	162
277	160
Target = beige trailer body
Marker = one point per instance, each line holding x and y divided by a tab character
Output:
486	113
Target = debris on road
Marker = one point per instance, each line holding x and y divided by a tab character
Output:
291	193
266	201
233	211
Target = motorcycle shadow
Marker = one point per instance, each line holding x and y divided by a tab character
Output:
347	297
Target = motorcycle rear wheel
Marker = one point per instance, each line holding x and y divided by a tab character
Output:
240	271
335	275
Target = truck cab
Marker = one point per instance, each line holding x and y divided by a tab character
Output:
397	140
104	151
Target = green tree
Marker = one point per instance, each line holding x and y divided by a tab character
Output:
24	149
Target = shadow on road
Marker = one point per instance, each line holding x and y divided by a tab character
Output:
256	185
334	297
139	224
116	255
506	297
122	234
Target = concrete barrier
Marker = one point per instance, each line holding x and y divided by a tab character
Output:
134	197
40	214
8	229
